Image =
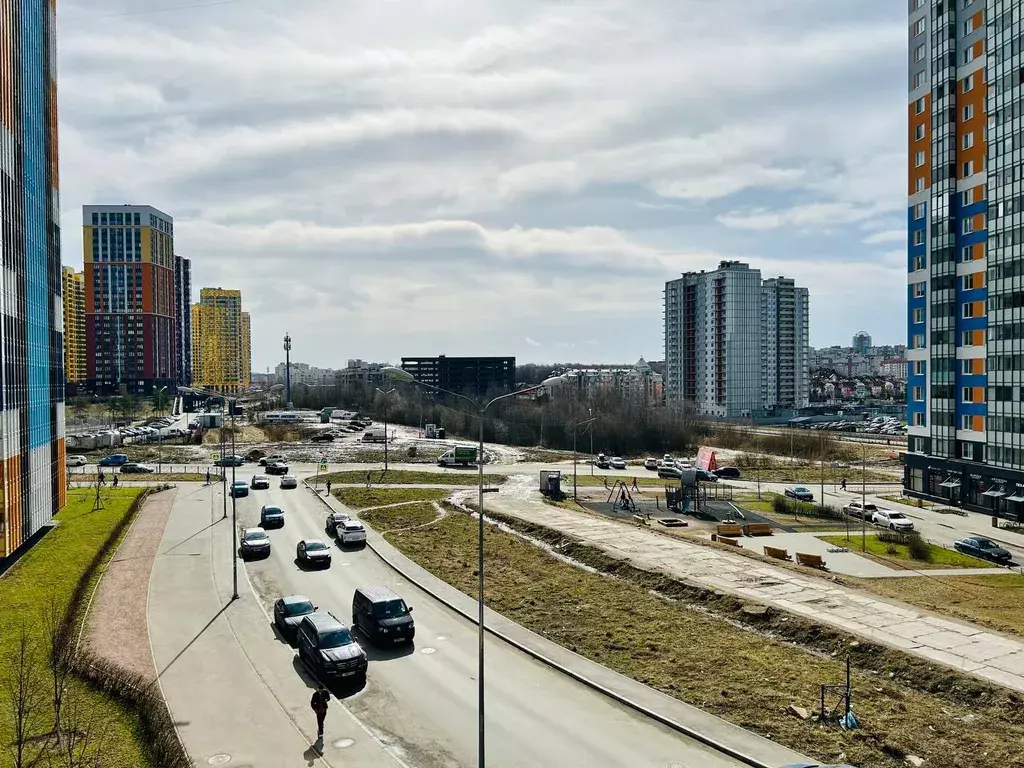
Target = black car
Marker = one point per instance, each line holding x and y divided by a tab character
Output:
727	472
327	646
259	483
707	477
272	516
313	553
986	549
382	616
132	468
334	519
288	613
322	437
254	543
277	468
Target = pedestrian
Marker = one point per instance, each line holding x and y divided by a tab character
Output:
328	487
367	478
116	475
843	484
103	478
635	486
319	705
207	475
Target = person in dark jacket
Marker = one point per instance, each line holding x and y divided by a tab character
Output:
319	705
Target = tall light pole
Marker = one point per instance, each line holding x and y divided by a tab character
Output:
385	394
863	496
481	408
288	371
590	411
234	511
575	427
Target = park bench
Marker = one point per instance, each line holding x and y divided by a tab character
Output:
729	529
730	541
777	553
812	561
757	529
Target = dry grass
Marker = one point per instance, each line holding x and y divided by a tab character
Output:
898	555
411	477
733	672
360	498
396	518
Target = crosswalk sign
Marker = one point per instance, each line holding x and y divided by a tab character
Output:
322	468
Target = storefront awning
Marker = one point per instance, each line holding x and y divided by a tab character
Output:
951	483
1016	497
994	493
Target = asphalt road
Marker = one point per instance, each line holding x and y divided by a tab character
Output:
420	702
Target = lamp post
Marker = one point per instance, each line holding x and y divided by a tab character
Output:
576	426
288	371
385	394
590	412
481	408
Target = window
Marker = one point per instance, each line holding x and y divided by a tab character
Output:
968	140
918	237
967	253
919	106
915	4
919	79
918	290
966	450
919	315
919	211
919	184
972	280
919	367
969	83
967	339
919	132
965	422
918	394
918	27
919	419
969	26
966	393
919	52
967	226
918	262
919	158
968	112
967	196
968	54
918	341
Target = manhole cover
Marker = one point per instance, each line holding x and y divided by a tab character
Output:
343	743
427	650
221	759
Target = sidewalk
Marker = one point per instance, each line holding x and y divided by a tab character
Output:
965	647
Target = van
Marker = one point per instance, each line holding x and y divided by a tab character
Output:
382	616
327	646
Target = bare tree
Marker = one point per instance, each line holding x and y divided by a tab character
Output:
25	697
61	655
85	732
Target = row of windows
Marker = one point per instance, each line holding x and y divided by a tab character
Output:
128	218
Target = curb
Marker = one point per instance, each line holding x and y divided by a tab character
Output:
605	691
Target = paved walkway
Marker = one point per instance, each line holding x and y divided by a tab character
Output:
968	648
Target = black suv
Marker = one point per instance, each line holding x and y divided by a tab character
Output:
277	468
382	616
327	646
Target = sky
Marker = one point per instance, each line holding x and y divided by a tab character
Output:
384	178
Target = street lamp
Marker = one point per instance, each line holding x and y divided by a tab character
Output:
575	426
385	423
398	374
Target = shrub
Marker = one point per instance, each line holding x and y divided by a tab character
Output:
780	505
918	549
411	452
891	549
894	537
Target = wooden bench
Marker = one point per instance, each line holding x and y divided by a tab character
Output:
812	561
757	529
729	541
729	529
777	553
640	520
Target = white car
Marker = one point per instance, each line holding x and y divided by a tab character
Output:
618	463
651	464
895	521
289	481
77	461
350	532
858	509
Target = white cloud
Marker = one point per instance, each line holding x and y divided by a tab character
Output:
886	236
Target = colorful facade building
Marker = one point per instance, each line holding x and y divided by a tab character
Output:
965	257
74	325
32	459
183	319
130	316
221	346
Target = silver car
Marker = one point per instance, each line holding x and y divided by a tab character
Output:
289	481
350	532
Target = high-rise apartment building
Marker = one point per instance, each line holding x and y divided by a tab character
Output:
221	347
74	324
183	319
861	342
129	299
735	345
32	459
965	354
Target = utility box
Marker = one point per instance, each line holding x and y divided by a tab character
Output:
430	431
210	420
551	483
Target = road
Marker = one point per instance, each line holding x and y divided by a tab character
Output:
421	701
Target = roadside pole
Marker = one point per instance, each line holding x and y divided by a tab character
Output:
863	496
223	468
234	515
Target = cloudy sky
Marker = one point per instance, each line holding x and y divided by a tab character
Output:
385	177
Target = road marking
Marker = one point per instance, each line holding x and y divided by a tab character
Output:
220	759
428	651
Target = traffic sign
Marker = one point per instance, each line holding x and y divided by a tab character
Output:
322	468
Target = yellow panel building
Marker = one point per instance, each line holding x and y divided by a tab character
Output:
221	347
74	324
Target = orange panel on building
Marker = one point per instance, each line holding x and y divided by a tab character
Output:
978	423
975	99
923	144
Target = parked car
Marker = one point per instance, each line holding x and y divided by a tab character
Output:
895	521
617	463
601	462
350	532
239	488
322	437
271	459
131	468
670	471
706	476
327	646
271	516
651	463
730	472
229	461
277	468
799	492
334	519
76	460
114	460
255	542
312	552
289	612
382	616
260	483
857	509
289	481
986	549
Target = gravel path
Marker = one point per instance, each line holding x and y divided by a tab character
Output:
116	626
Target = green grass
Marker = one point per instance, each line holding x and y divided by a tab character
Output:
412	477
743	676
392	518
50	571
879	550
361	498
763	507
155	477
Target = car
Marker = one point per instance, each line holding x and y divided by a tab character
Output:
799	492
289	481
670	471
334	519
114	460
131	468
651	464
382	616
259	483
277	468
271	459
350	532
727	472
617	463
322	437
986	549
229	461
254	542
75	460
238	489
327	646
289	612
860	509
895	521
271	516
707	476
312	552
194	424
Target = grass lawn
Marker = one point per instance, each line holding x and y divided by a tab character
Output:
763	507
50	571
375	497
154	477
410	477
810	474
406	516
740	675
993	601
879	550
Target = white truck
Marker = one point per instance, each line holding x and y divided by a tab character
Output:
460	454
375	436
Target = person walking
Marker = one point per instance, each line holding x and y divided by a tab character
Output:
843	484
635	487
207	475
319	705
116	475
103	478
328	487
